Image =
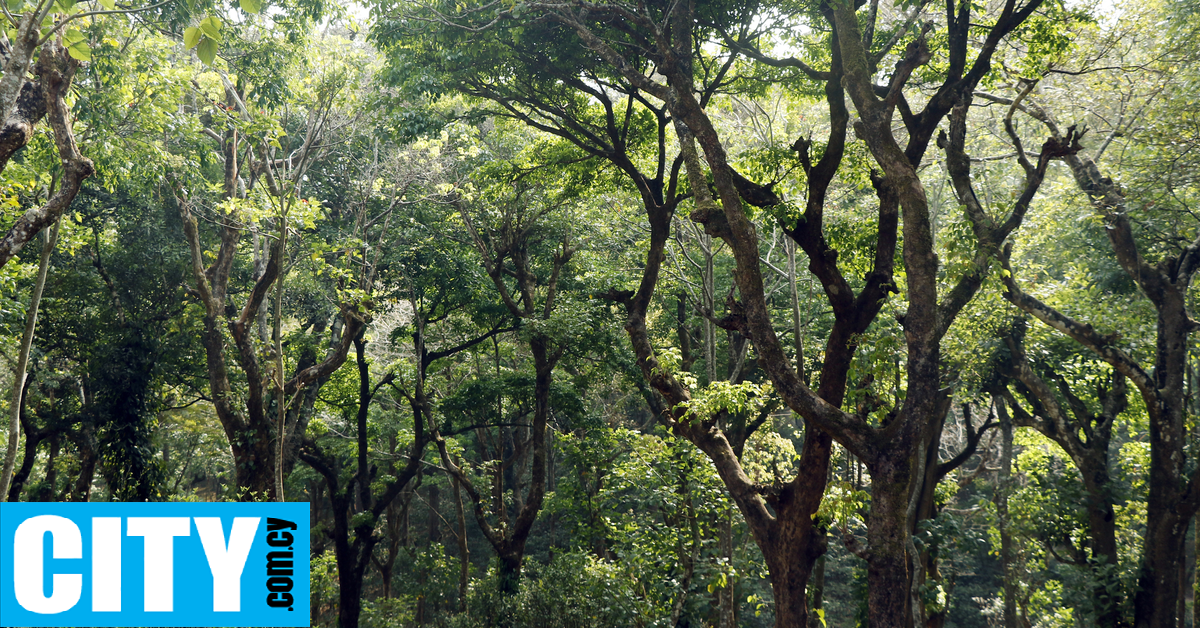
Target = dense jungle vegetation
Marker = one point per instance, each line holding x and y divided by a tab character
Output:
624	313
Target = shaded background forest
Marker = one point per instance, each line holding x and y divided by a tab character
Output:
624	314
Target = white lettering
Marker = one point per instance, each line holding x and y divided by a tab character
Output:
28	570
226	563
160	533
106	564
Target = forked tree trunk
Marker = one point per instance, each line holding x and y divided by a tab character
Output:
355	542
1174	494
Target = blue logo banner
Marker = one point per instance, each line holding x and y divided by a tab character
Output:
154	564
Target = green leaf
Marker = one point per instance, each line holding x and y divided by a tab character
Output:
211	27
80	50
207	51
72	36
191	37
251	6
108	5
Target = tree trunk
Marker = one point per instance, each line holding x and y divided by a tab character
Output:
428	608
791	610
888	575
1195	573
350	571
512	551
1102	529
85	442
816	595
1167	513
725	600
49	487
255	457
31	314
510	572
790	563
57	69
1007	548
464	555
1181	607
1159	577
33	438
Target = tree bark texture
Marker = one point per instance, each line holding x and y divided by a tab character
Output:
14	88
18	128
56	70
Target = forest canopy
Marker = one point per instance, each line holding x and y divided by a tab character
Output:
711	313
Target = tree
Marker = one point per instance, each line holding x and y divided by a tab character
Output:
57	68
258	441
124	296
1085	435
524	253
40	29
1165	282
662	44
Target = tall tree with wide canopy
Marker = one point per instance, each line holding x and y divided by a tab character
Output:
612	118
1163	275
1159	167
658	51
435	279
1048	403
262	194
